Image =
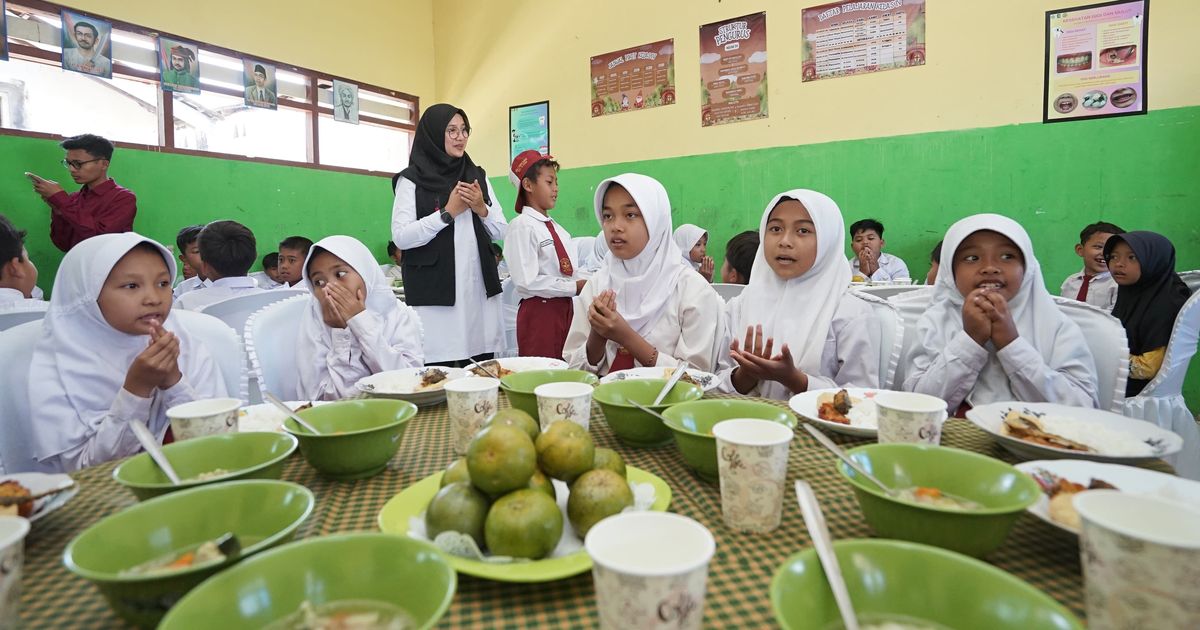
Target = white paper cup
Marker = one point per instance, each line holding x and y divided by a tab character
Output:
752	458
471	401
1141	561
564	401
650	570
910	417
12	557
204	417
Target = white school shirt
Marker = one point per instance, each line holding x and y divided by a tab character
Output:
532	260
14	300
848	358
191	284
264	281
392	272
221	289
890	268
474	325
301	285
1102	291
360	350
691	328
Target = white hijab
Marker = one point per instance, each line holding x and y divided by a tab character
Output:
584	246
799	311
79	364
1033	310
646	282
686	237
316	337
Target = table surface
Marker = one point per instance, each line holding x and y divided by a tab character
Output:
739	575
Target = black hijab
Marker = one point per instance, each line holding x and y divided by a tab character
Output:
1148	307
429	166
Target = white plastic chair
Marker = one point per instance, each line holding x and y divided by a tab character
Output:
1191	279
910	305
225	347
21	315
270	337
16	346
887	291
728	291
1106	339
888	336
236	310
512	303
1162	403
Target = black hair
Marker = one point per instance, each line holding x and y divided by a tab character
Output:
533	172
12	242
936	254
228	247
95	32
863	225
497	251
187	236
298	243
1097	228
740	251
96	146
392	248
271	261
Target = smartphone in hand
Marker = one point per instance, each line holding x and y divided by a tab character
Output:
34	178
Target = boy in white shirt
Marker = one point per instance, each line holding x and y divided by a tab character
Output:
869	262
1094	284
266	278
187	243
393	272
293	250
541	265
227	249
18	275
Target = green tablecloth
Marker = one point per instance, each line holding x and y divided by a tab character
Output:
739	575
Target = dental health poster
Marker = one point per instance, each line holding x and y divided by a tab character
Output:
634	78
733	70
1095	61
845	38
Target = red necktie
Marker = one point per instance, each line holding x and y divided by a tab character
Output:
623	361
1082	297
564	261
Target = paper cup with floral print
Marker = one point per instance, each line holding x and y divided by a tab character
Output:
650	570
204	417
564	401
471	402
752	458
910	417
1141	560
12	557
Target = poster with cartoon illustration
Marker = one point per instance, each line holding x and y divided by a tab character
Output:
259	79
179	66
1095	61
86	44
634	78
345	102
733	70
845	38
528	128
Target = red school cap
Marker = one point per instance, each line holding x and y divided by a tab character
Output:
520	168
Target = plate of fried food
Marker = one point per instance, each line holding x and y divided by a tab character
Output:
1050	431
1063	479
423	386
499	368
34	495
847	410
703	380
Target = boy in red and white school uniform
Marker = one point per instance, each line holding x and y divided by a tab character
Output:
540	262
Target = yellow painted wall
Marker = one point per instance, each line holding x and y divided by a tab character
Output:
984	69
387	43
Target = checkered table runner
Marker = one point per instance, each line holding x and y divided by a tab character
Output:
739	575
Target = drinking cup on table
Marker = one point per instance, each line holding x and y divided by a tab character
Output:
910	417
199	418
752	458
564	401
471	401
13	530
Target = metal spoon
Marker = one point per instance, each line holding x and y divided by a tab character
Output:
228	544
822	541
291	414
648	410
152	446
836	450
675	376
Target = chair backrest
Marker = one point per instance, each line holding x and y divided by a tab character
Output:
1192	279
1180	350
270	337
9	319
728	291
16	346
512	303
910	305
1105	337
224	345
887	291
236	310
887	336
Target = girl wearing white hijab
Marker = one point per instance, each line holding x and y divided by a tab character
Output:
797	326
354	325
992	332
692	241
111	353
644	306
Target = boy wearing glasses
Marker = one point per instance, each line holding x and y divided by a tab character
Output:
99	207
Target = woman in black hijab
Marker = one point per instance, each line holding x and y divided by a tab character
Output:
445	217
1149	297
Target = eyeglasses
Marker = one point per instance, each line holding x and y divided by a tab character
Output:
455	132
77	164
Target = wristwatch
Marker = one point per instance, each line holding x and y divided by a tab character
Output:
446	218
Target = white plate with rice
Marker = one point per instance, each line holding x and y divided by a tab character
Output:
521	364
705	380
1111	437
864	418
406	385
266	417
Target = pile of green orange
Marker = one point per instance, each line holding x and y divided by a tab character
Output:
501	495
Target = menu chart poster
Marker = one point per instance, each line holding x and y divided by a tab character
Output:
844	38
528	128
733	70
634	78
1096	61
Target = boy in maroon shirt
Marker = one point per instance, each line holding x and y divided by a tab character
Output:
100	206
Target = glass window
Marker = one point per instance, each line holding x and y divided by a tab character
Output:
210	121
365	146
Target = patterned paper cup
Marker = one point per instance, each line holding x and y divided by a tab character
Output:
564	401
12	553
204	417
472	401
1141	561
752	460
650	570
910	417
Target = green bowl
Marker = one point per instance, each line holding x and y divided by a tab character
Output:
893	580
357	437
519	386
262	513
632	425
692	424
244	455
398	570
1003	491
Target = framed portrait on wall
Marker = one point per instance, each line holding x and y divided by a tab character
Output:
86	44
259	79
528	128
1095	64
179	66
345	102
